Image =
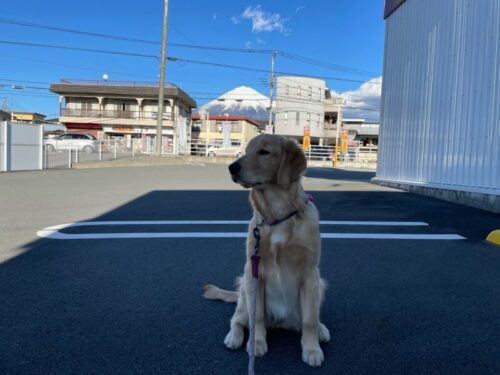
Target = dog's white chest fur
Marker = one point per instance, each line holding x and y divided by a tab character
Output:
281	288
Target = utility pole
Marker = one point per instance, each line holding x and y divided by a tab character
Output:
271	92
159	132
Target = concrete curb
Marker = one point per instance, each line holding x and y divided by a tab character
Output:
494	237
486	202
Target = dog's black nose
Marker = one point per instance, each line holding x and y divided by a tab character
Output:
234	167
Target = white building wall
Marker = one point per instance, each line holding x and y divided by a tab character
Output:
440	119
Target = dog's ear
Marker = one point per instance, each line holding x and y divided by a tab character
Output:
293	163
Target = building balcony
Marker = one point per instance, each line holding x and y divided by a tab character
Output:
113	114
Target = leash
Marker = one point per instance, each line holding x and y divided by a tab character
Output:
255	259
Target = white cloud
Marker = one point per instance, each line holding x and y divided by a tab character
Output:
260	41
248	45
214	16
235	20
299	9
364	102
263	21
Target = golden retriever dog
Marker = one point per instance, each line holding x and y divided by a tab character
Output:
290	290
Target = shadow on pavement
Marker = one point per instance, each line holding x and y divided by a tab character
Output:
134	306
339	174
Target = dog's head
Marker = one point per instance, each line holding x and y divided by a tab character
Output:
269	159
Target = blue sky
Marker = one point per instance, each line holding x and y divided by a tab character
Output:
343	32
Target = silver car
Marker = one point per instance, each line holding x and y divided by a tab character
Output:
232	151
81	142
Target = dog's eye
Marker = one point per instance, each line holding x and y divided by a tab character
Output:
264	152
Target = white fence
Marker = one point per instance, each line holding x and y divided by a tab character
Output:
105	150
354	157
20	147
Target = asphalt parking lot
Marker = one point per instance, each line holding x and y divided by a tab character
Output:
413	287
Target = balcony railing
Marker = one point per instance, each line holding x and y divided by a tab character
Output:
111	113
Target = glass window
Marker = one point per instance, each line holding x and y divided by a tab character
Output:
236	127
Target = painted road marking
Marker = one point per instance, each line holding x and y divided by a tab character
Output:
54	231
228	222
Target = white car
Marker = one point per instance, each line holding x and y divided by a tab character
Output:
81	142
232	151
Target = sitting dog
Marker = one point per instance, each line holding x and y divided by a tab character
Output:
290	290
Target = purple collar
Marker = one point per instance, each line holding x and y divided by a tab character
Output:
309	198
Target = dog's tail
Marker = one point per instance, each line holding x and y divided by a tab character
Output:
212	292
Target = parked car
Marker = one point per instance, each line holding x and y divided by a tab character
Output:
232	151
81	142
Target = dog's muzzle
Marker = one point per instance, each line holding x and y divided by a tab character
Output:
234	168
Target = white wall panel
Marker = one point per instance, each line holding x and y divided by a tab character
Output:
440	119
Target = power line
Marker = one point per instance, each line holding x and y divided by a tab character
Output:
325	64
76	67
288	55
72	31
18	80
121	53
21	87
128	39
53	46
237	67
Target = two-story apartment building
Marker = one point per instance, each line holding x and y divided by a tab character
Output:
109	109
243	129
306	103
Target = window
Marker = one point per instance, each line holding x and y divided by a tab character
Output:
236	127
298	92
310	93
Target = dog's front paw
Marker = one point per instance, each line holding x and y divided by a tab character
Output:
313	357
260	347
234	339
324	333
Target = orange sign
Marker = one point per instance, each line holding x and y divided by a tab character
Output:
307	131
344	134
123	129
306	143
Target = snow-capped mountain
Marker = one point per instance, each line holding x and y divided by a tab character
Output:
242	101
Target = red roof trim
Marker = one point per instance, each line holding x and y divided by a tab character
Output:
77	125
229	118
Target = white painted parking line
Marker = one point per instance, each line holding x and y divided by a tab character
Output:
227	222
55	233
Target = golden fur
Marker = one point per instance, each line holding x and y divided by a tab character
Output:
290	290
